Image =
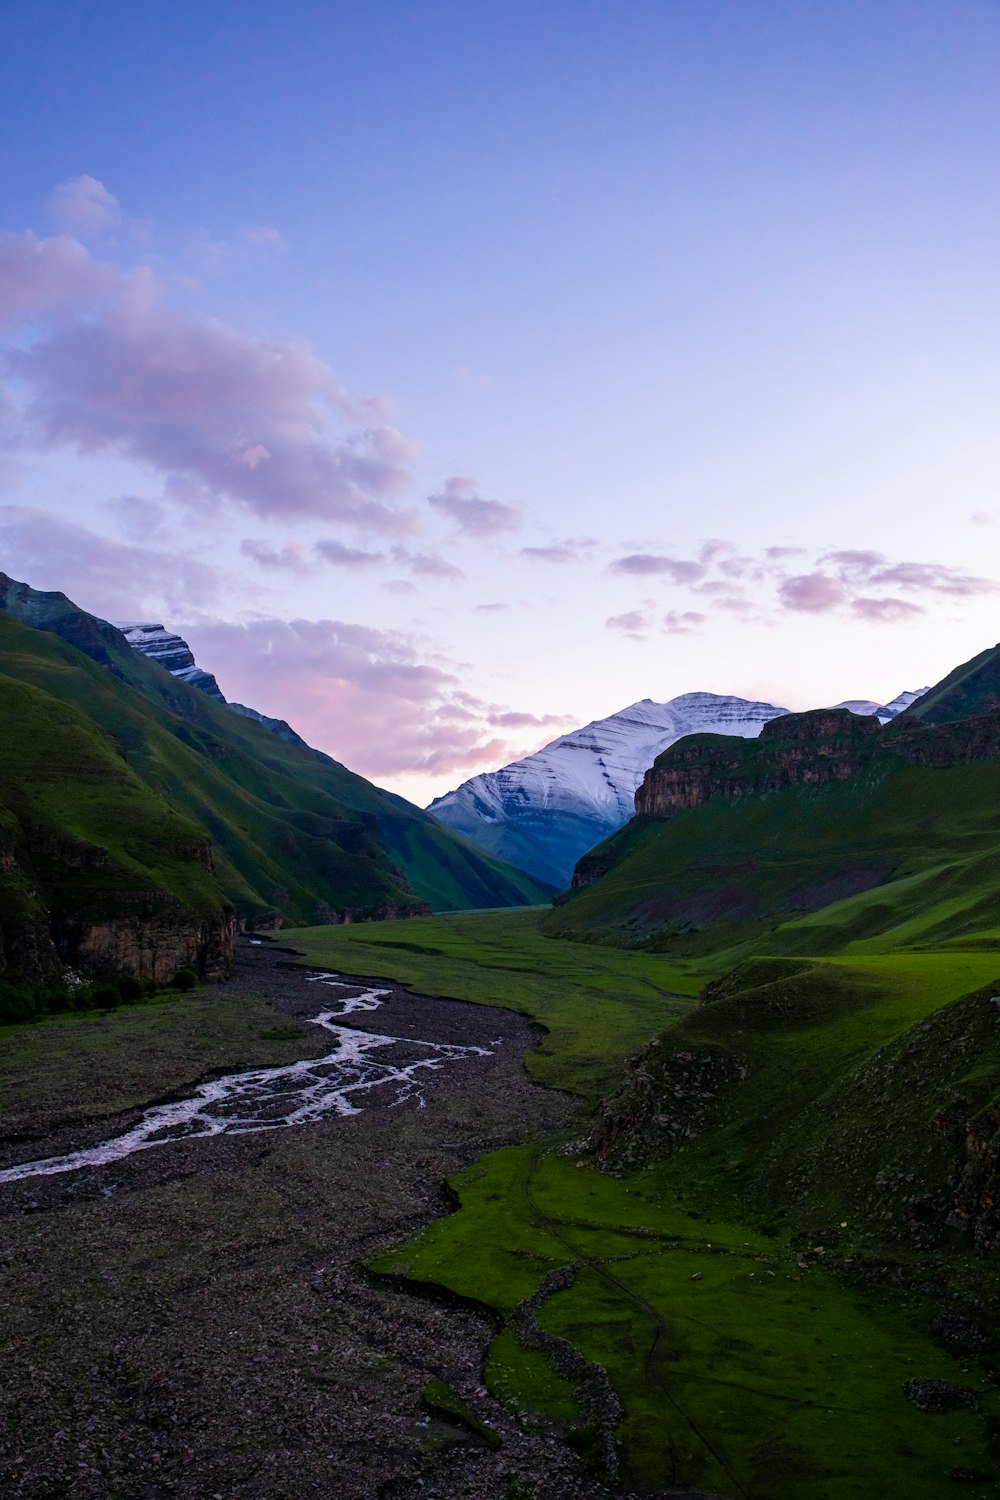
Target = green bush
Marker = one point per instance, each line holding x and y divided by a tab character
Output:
131	988
184	979
16	1004
105	996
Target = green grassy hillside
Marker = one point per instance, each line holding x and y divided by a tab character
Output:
777	1224
293	832
972	688
84	842
899	854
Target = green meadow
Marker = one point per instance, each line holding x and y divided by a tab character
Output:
756	1304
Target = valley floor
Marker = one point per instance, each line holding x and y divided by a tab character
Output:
310	1312
194	1321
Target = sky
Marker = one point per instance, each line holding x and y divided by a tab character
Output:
450	376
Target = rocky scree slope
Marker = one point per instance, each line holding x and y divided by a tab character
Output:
826	822
295	836
542	813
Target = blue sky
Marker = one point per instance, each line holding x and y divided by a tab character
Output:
453	374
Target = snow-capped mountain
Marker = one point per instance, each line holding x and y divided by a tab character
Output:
542	813
161	645
883	711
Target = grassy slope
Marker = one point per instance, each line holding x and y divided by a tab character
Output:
739	872
972	688
597	1006
288	828
62	778
738	1368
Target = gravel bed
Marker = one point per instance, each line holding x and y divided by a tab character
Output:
193	1322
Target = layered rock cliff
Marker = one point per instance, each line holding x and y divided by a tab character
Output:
807	749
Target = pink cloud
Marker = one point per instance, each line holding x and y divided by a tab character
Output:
346	557
814	593
934	578
854	563
364	695
686	623
633	625
645	564
83	206
220	414
556	554
38	275
470	513
289	558
110	578
428	564
885	611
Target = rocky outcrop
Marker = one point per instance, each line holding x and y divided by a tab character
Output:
152	944
829	744
65	902
172	653
668	1095
803	750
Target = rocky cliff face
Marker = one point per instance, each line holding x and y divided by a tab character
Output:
64	902
152	944
802	750
171	652
829	744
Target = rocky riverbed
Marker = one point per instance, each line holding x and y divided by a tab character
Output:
193	1322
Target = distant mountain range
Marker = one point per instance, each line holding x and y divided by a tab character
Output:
543	812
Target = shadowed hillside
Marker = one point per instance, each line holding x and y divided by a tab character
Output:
295	835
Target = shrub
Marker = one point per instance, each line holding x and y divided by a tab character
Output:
105	996
131	988
184	979
16	1004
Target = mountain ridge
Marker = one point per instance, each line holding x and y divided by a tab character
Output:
295	836
543	812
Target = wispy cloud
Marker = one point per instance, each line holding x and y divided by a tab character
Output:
108	577
369	697
858	582
683	622
652	564
633	625
427	564
466	509
555	554
331	551
290	558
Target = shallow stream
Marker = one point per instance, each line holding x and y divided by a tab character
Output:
364	1069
